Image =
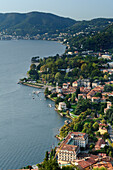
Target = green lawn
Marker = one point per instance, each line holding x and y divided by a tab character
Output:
73	106
64	113
73	115
54	98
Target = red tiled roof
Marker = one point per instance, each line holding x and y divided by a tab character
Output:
103	164
70	147
75	82
100	142
86	163
95	97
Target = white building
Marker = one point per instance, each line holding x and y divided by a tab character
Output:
74	84
78	138
95	84
65	86
62	106
70	147
70	53
106	56
68	153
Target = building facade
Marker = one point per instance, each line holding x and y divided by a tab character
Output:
70	147
68	153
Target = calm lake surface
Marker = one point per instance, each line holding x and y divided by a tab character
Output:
27	126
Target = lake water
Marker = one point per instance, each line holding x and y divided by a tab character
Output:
27	126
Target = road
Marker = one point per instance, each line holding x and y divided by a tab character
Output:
110	131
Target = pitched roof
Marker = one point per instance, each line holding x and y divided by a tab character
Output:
86	163
70	147
100	142
95	97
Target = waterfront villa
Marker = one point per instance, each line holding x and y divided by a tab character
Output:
78	138
70	146
62	106
68	153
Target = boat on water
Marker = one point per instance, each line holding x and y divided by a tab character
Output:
50	105
33	92
36	92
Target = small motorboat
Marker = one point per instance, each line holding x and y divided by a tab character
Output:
50	105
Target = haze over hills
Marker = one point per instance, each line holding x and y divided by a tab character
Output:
33	23
48	26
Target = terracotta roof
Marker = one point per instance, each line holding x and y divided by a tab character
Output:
75	82
103	164
91	160
81	94
100	142
102	124
84	164
70	147
95	97
87	163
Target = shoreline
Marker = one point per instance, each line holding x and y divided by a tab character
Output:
43	87
31	85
